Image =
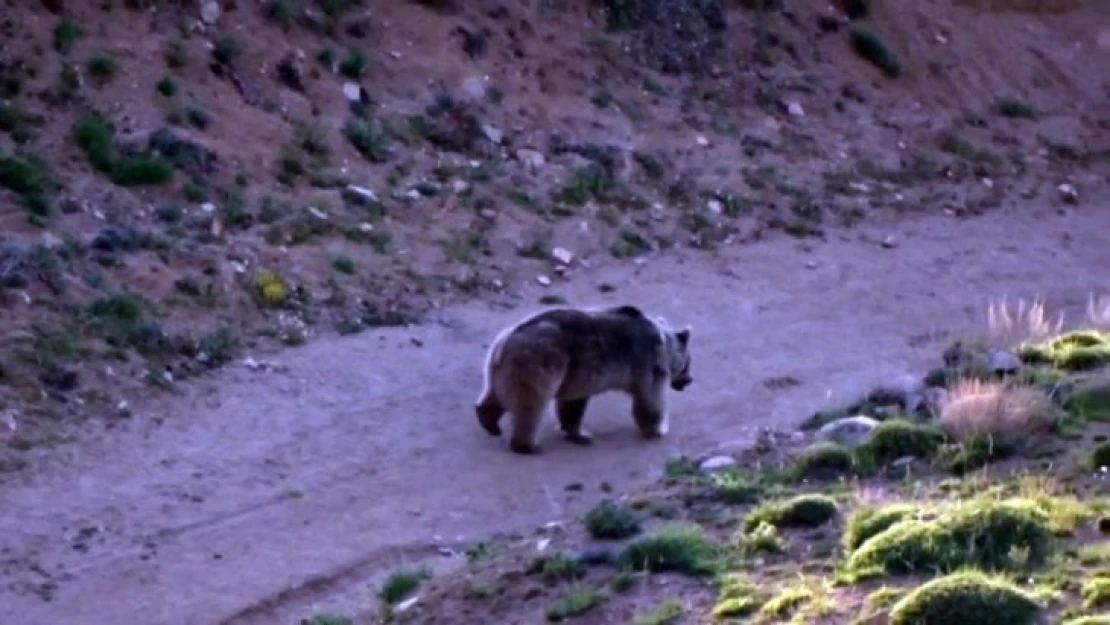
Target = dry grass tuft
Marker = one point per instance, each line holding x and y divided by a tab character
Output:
1098	311
978	409
1027	323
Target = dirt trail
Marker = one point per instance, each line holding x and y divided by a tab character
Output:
366	448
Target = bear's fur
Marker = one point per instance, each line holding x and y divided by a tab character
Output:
571	354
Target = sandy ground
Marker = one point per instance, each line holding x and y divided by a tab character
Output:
261	492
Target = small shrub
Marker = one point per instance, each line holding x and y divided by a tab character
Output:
610	521
801	511
96	138
869	46
143	170
897	438
167	86
1096	593
1091	400
984	534
369	138
974	454
822	461
31	180
557	568
679	549
66	34
271	288
1074	351
868	522
667	613
575	602
968	597
1002	412
354	65
227	50
197	116
764	538
738	597
401	584
733	487
102	67
1017	109
344	264
1100	457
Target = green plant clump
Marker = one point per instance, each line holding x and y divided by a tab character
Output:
965	597
610	521
1096	593
869	46
1074	351
868	522
898	438
575	602
400	585
678	549
801	511
824	460
984	534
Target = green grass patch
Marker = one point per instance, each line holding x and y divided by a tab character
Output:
668	613
1074	351
31	179
400	585
735	487
1091	401
822	461
986	534
1016	109
737	597
868	522
96	138
679	549
898	438
966	597
870	47
1096	592
576	602
802	511
612	521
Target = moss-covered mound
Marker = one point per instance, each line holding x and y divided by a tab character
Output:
680	549
801	511
868	522
1074	351
982	534
823	461
966	597
898	438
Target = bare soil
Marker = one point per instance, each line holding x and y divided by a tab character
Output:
821	225
256	494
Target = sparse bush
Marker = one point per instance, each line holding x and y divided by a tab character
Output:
868	522
822	461
354	65
227	50
66	34
764	538
1096	592
738	597
1090	401
802	511
31	180
610	521
1100	456
95	137
984	534
734	487
271	288
401	584
197	116
966	597
369	138
142	170
897	438
102	67
557	568
997	410
167	86
344	264
575	602
1074	351
667	613
974	454
869	46
1010	107
677	549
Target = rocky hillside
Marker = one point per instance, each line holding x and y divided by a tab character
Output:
179	182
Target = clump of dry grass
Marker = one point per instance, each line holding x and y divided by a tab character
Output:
978	409
1098	311
1027	323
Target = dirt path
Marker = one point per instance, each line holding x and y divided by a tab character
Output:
364	454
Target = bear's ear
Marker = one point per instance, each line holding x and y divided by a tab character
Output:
683	335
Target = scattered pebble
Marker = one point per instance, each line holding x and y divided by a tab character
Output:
543	280
1068	193
716	463
562	255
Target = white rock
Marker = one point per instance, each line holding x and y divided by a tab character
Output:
795	109
716	463
702	141
210	12
715	206
543	280
460	186
351	91
474	87
562	255
493	133
359	195
1068	193
532	158
317	213
208	207
850	431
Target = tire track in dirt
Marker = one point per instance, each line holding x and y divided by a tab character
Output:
263	489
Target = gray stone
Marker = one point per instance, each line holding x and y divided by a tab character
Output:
717	463
210	12
532	158
899	390
849	431
1003	361
493	133
359	196
352	91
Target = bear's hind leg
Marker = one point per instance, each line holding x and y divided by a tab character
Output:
570	414
489	412
526	425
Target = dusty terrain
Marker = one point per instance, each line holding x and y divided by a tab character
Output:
195	219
